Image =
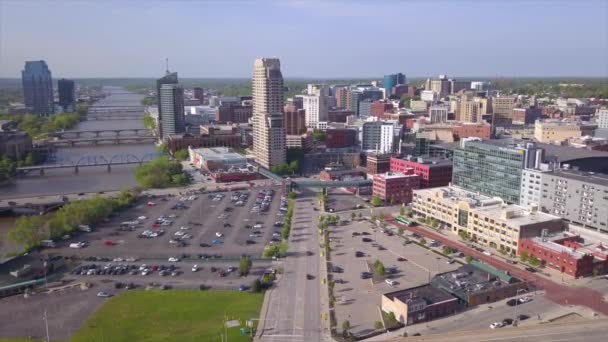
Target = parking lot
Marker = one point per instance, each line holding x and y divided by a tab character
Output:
195	225
341	200
358	296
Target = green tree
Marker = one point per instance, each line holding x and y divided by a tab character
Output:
423	242
379	269
160	173
245	265
391	318
376	201
345	327
524	257
353	216
402	211
292	195
256	286
28	232
468	259
162	148
149	122
534	261
318	135
181	154
8	168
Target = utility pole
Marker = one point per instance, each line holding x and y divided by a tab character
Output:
46	324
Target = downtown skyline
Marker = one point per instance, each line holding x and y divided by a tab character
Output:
463	39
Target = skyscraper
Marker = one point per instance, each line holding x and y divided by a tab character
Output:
199	94
38	88
392	80
170	96
268	122
316	108
67	95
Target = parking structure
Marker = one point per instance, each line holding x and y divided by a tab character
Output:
355	248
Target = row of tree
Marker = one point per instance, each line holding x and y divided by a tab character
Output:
161	172
29	231
277	250
36	126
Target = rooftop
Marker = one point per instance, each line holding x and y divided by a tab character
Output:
394	175
471	278
218	153
556	247
582	176
495	207
431	162
427	293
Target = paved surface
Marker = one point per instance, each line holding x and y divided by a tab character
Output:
66	311
583	331
561	294
292	310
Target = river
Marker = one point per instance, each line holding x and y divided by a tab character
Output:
88	179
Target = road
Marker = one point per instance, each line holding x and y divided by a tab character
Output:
560	294
583	331
293	311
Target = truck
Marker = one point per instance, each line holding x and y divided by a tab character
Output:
48	243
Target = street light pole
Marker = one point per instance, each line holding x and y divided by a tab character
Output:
46	324
516	304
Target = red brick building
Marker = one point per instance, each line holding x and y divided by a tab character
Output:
340	137
526	115
225	136
567	254
433	172
378	163
396	188
233	113
482	131
378	108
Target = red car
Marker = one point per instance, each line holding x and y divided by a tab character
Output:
109	243
155	225
150	204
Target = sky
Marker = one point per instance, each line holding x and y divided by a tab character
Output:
316	38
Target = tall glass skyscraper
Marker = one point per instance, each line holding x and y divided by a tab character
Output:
493	168
38	88
392	80
170	97
67	95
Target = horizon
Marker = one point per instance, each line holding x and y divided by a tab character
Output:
321	39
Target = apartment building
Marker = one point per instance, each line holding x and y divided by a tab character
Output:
396	187
557	131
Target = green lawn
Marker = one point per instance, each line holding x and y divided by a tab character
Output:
149	316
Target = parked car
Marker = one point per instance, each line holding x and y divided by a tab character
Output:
390	282
103	294
496	325
173	259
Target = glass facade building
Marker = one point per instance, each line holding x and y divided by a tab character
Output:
392	80
493	169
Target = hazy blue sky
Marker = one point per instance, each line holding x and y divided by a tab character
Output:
312	38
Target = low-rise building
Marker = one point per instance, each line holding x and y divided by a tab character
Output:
567	253
419	304
340	137
558	131
433	172
487	220
211	136
303	141
233	112
338	115
378	163
217	158
396	188
329	175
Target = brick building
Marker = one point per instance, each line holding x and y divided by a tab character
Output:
433	172
396	188
567	253
419	304
338	115
332	175
226	136
340	137
231	112
378	163
378	108
295	120
526	115
482	131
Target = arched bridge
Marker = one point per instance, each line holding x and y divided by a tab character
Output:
102	140
92	161
124	132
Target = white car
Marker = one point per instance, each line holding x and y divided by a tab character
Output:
195	268
143	267
496	325
173	259
218	234
172	216
142	218
179	233
103	294
487	253
525	299
391	282
184	228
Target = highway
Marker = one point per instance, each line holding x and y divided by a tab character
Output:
293	310
580	330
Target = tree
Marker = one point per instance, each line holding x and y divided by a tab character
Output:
376	201
359	216
423	242
28	232
524	257
391	318
434	223
378	325
402	211
181	154
256	286
160	173
379	269
318	135
245	265
447	250
353	216
345	327
468	259
149	122
8	168
292	195
534	261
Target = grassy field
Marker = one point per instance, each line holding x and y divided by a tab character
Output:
150	316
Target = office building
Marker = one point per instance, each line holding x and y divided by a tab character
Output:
492	167
438	113
199	94
317	89
38	88
526	116
381	136
342	95
502	107
340	137
433	172
456	86
429	96
602	118
441	85
363	92
303	141
171	114
558	131
395	187
567	253
338	115
233	113
489	221
295	120
419	304
379	108
365	109
67	95
268	121
315	108
480	86
208	136
470	109
391	81
378	163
